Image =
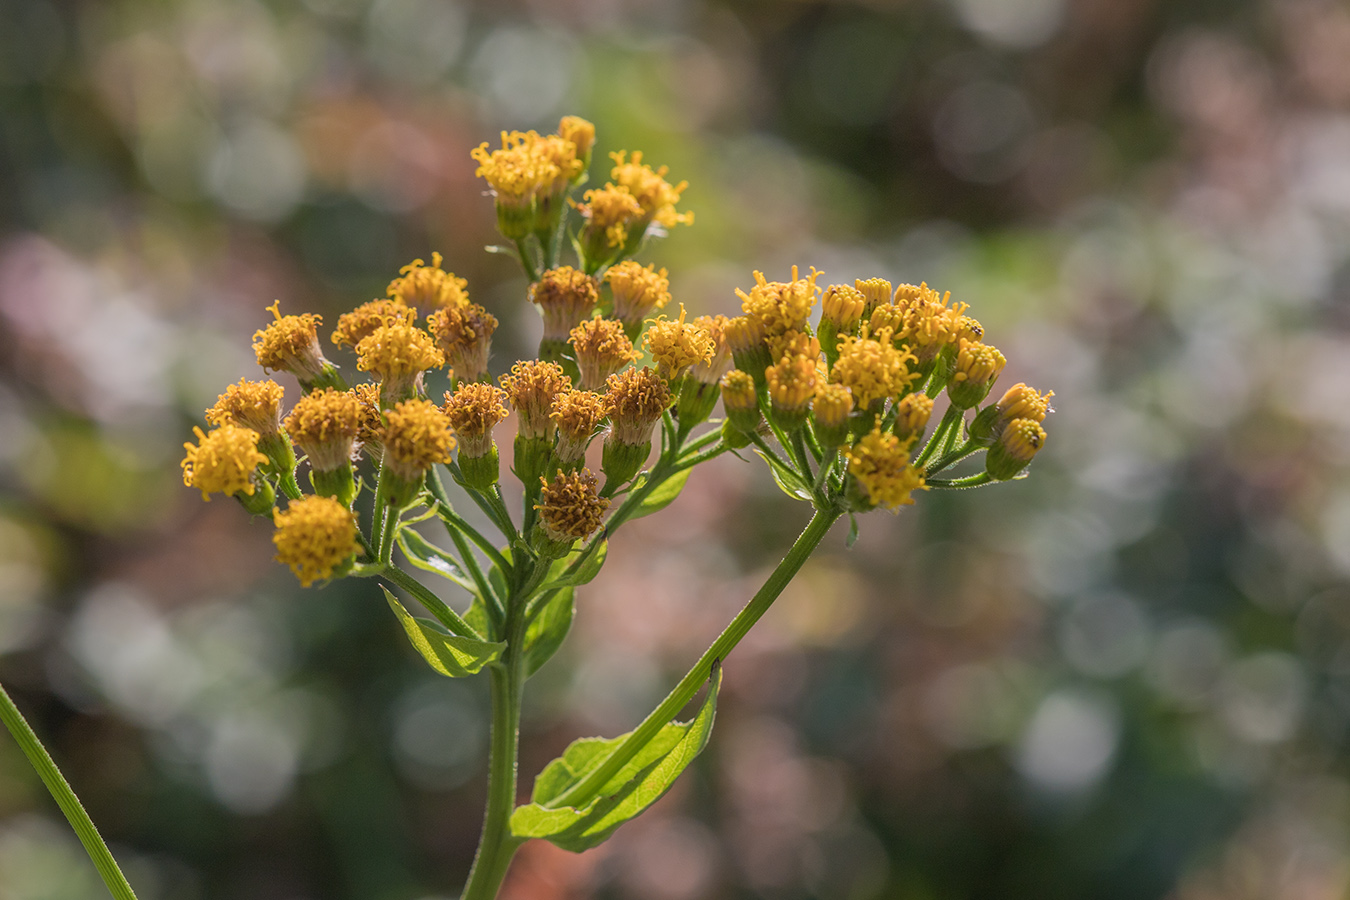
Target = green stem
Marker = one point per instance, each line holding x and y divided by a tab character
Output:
949	419
453	522
435	605
66	799
289	486
377	510
490	598
957	484
497	846
387	529
815	530
690	461
526	260
952	458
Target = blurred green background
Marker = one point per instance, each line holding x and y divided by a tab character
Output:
1125	677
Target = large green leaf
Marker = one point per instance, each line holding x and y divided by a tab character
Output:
546	633
636	786
663	495
447	653
426	555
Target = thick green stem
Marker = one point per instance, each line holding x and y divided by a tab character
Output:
66	799
684	691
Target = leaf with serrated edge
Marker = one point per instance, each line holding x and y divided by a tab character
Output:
639	784
449	654
664	494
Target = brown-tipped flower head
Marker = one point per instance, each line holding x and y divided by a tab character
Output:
578	414
398	353
654	194
429	287
474	410
842	306
252	404
609	212
880	464
531	387
315	536
223	461
638	291
325	424
601	348
912	414
876	292
356	325
677	345
872	369
714	367
570	506
565	296
416	436
781	306
968	328
464	335
792	383
636	399
291	344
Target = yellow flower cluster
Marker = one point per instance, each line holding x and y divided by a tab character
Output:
325	425
290	344
353	327
880	464
570	507
222	462
638	291
874	370
315	536
529	164
416	436
676	345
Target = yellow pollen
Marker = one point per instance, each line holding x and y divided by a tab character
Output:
880	463
314	536
429	287
570	507
654	194
610	211
290	344
601	348
223	461
252	404
398	350
636	398
792	382
531	388
356	325
978	363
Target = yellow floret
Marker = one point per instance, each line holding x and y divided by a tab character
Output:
325	424
429	287
880	464
570	507
290	344
872	369
314	536
675	345
781	306
609	212
416	436
223	461
638	290
654	194
398	350
252	404
352	327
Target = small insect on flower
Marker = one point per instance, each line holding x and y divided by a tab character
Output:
316	537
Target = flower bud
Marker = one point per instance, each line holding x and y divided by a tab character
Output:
830	409
291	344
741	401
1020	441
570	509
977	367
749	347
911	416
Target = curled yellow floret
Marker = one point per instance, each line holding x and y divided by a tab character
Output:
464	334
356	325
531	388
928	323
570	506
654	194
223	461
565	296
416	436
398	350
609	212
252	404
781	306
578	414
601	348
872	369
636	399
977	363
290	344
429	287
676	345
711	370
474	410
525	166
1023	402
880	464
325	425
638	290
315	536
792	383
842	306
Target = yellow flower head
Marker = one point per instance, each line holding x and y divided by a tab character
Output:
371	426
609	212
792	383
570	507
831	407
747	339
636	399
565	296
968	328
523	167
474	410
398	353
601	348
578	414
842	306
977	366
676	345
416	436
531	387
252	404
356	325
429	287
872	369
638	291
880	464
325	424
582	135
315	536
464	334
795	343
928	322
912	414
1022	402
290	344
738	392
781	306
654	194
223	461
712	370
876	292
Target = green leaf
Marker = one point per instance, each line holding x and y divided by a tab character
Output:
496	580
787	480
426	555
449	654
588	570
852	531
477	616
639	784
548	630
664	494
